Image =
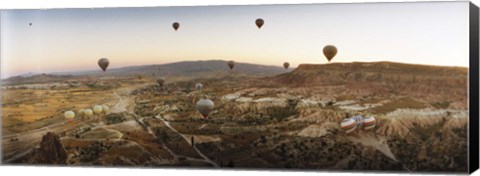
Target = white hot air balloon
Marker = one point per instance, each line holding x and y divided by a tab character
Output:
348	125
97	109
198	86
105	109
69	115
205	107
88	112
369	123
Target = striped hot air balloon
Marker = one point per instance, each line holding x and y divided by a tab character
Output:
348	125
358	120
369	123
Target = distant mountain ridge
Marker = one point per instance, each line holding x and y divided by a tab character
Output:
304	74
184	68
196	68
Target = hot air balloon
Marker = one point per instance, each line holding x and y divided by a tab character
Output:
231	64
205	107
105	109
88	112
286	65
30	24
69	115
103	63
259	22
369	123
348	125
160	81
198	86
97	109
330	51
358	120
81	112
176	25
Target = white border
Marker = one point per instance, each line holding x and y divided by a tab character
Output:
48	4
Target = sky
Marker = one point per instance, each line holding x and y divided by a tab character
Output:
74	39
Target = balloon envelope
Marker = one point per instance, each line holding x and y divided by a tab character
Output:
88	112
231	64
105	109
369	123
286	65
330	51
198	86
97	109
81	112
358	120
103	63
259	22
176	25
160	81
348	125
205	107
69	114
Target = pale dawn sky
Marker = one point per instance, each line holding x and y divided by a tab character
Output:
74	39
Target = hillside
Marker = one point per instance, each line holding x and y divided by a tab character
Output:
339	73
38	78
434	84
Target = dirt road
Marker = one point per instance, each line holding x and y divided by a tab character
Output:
205	158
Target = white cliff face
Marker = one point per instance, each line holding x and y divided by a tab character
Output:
311	103
230	97
353	107
246	104
401	121
343	103
457	120
244	101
